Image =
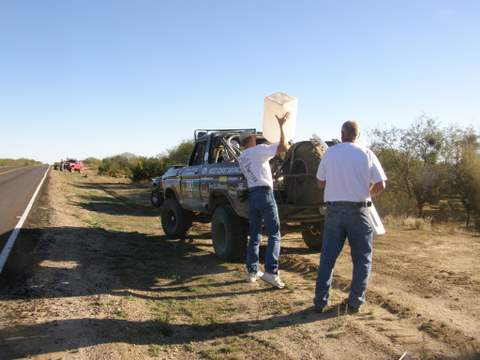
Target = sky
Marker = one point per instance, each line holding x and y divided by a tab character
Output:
83	78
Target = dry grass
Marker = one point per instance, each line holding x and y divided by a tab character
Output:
425	224
410	222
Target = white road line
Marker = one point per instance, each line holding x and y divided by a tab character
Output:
13	236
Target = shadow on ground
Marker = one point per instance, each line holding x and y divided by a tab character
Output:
139	260
149	266
104	204
132	332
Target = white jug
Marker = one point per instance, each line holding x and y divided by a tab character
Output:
375	221
278	104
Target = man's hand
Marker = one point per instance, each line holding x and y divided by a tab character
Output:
282	120
377	188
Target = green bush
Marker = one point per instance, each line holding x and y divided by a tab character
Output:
140	167
147	168
476	191
395	203
19	162
116	166
92	162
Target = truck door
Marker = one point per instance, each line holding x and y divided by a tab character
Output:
190	178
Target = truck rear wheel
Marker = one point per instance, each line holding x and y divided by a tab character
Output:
229	234
313	236
176	221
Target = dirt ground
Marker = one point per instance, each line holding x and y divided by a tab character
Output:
106	284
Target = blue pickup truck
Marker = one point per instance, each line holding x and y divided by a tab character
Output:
211	188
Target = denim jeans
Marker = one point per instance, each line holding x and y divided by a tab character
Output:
345	221
262	206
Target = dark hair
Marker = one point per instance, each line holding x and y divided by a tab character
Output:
244	142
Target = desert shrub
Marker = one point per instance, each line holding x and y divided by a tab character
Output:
147	168
92	162
476	193
434	166
19	162
116	166
180	154
395	203
142	168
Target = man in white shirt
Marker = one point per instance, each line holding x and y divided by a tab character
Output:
351	175
255	166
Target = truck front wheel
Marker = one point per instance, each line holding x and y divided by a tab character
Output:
229	234
313	236
156	197
176	221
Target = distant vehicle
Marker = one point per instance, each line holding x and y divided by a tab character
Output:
213	189
69	164
76	166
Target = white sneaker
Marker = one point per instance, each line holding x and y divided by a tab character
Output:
252	277
274	280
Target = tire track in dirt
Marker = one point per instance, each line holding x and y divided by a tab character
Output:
435	329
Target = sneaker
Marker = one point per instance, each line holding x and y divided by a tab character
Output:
346	308
252	276
274	280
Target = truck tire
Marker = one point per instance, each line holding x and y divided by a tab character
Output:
176	221
313	236
229	234
156	197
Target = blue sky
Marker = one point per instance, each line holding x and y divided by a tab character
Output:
95	78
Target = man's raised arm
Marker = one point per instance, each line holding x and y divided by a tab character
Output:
282	144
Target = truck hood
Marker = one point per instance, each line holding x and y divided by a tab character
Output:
173	171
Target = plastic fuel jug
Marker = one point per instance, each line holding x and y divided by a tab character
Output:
375	221
278	104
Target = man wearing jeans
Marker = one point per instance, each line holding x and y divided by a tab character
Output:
350	174
255	166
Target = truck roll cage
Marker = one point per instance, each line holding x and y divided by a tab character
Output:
203	132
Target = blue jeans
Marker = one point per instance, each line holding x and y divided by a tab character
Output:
262	206
345	221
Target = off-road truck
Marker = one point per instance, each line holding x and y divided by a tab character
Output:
211	188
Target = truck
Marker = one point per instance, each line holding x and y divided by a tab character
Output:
212	189
69	164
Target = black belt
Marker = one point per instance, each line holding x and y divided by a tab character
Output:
255	188
350	203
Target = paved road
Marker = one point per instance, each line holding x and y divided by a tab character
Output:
17	186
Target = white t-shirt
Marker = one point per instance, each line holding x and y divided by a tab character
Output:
255	166
349	170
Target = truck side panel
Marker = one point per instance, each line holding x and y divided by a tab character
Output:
224	179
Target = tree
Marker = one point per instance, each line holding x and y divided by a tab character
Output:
180	154
461	157
411	159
